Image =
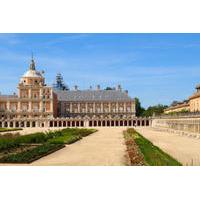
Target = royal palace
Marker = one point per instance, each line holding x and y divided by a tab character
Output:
39	105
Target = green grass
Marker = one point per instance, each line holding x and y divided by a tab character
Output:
69	136
153	155
48	142
31	155
10	129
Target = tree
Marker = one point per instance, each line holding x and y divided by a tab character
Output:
109	88
157	110
138	108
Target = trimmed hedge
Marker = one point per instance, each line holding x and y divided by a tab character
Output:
32	155
65	136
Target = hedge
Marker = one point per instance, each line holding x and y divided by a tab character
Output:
32	155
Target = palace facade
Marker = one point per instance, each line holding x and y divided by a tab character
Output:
190	105
39	105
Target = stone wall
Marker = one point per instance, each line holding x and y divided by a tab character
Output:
187	124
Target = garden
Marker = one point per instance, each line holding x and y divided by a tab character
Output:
141	151
16	148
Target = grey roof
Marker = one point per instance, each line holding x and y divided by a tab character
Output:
8	96
92	95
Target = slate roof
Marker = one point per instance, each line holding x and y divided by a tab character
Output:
92	95
8	96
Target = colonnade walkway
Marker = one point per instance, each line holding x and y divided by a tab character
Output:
183	148
103	148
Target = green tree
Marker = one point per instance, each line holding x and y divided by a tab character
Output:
139	109
157	110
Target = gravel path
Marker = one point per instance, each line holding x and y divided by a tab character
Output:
103	148
185	149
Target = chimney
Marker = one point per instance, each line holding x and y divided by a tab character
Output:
75	87
98	87
119	87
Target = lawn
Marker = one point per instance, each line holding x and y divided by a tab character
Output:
27	148
152	154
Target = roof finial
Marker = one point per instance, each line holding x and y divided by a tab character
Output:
32	65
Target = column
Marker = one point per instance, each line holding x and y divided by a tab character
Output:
101	107
70	109
30	105
124	107
29	94
79	108
117	107
109	107
94	108
8	105
19	106
86	107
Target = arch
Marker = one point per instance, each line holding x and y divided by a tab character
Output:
103	123
27	124
138	123
125	123
51	124
73	123
99	123
64	123
147	123
112	123
0	124
95	123
77	123
11	124
90	123
17	124
121	123
134	123
68	124
22	124
60	123
116	123
55	123
6	124
108	123
82	123
130	123
143	123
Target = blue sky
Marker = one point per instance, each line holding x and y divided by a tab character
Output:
157	68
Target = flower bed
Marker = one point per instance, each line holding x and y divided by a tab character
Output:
151	154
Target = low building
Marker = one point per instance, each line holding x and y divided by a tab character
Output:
98	103
194	100
178	107
190	105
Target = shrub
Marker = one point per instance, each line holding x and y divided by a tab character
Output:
32	138
31	155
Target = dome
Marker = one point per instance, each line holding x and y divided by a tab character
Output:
32	74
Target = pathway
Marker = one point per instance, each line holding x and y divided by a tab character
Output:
183	148
103	148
